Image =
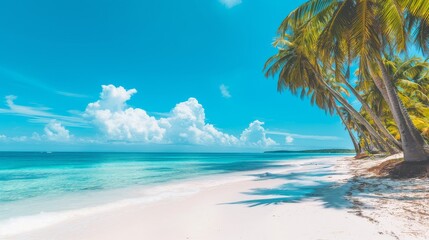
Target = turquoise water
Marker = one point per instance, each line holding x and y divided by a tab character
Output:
26	175
31	183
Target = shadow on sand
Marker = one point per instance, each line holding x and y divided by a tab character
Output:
328	186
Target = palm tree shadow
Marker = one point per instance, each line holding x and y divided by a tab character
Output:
332	195
320	184
301	186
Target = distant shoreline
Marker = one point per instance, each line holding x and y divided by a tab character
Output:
314	151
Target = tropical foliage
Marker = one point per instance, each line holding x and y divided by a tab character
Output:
322	40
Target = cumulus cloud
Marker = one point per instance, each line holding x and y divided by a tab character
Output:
187	124
224	91
54	131
289	139
230	3
20	138
255	135
184	124
120	122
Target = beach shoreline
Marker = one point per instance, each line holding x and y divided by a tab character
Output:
303	201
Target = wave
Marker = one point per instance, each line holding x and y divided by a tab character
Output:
22	224
133	196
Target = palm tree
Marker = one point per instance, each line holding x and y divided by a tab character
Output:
299	71
366	31
411	82
366	142
356	144
417	22
374	117
410	78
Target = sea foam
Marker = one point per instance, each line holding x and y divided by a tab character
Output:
22	224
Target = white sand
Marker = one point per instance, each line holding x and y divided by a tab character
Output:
217	211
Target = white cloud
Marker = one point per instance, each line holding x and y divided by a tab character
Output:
51	134
4	138
20	139
185	124
255	135
119	122
36	137
38	114
224	90
230	3
54	131
289	139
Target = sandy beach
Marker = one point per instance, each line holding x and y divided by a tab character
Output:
269	204
214	120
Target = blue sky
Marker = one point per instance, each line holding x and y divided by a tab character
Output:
177	76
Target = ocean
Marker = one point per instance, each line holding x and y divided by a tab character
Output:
43	188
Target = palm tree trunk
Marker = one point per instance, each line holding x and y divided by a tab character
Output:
362	136
414	146
352	111
379	83
373	144
377	145
366	145
374	116
352	137
359	117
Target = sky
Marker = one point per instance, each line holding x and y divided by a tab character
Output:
150	76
